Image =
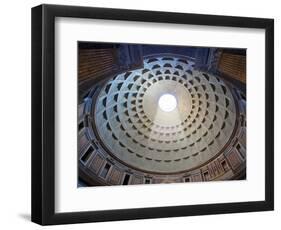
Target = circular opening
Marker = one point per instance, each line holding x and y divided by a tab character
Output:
167	102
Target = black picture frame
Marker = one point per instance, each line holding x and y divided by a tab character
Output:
43	114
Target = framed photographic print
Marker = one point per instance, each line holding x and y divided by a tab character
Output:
143	114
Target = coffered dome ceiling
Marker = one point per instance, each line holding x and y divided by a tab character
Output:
131	124
128	129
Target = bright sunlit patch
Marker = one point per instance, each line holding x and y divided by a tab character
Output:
167	102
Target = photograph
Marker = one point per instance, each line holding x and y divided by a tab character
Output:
156	114
141	114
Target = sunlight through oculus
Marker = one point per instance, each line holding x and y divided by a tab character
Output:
167	102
